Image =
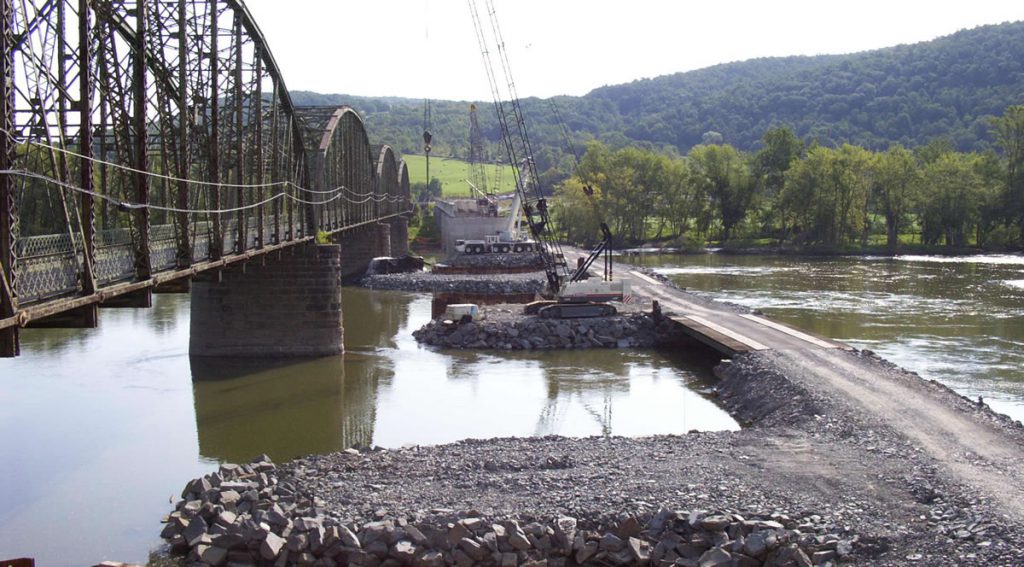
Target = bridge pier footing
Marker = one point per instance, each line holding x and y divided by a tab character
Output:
287	306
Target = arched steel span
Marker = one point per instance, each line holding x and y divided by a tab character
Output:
405	190
387	180
344	160
145	141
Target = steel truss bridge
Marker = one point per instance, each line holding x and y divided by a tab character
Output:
144	142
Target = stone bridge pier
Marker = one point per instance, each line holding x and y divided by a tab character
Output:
399	229
287	305
359	246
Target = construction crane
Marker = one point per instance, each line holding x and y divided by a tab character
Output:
477	174
572	295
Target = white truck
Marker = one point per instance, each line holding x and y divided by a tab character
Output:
508	240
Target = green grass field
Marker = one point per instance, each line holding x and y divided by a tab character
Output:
452	173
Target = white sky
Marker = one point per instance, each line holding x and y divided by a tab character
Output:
428	49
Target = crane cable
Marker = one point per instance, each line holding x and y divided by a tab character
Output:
427	126
588	190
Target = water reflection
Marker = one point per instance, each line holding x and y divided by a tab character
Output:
388	390
244	408
108	423
439	397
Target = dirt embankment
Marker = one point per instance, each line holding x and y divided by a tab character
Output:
830	476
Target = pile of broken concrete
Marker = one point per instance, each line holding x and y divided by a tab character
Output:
247	515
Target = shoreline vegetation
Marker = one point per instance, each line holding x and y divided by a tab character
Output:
796	192
793	195
739	248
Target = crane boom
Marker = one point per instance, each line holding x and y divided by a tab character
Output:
516	140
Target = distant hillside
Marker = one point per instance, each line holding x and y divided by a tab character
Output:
908	94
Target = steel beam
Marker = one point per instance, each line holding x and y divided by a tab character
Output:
217	237
241	238
143	265
258	143
87	215
183	254
8	208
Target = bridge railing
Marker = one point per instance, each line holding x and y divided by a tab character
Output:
142	139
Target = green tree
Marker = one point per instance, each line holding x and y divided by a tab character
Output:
1009	131
826	194
677	202
425	192
628	181
723	174
781	149
952	195
578	215
896	189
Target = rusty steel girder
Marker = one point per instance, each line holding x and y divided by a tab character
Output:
110	106
146	140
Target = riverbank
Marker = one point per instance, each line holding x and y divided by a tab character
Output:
811	480
839	451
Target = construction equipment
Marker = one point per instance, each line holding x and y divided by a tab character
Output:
508	239
571	295
477	173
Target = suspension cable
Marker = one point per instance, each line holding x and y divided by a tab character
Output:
171	178
127	205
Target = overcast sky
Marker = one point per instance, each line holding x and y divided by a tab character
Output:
428	48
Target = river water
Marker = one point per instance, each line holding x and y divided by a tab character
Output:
102	428
956	320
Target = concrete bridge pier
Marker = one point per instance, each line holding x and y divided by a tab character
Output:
288	305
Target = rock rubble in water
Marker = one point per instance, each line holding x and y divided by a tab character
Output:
631	330
252	515
489	261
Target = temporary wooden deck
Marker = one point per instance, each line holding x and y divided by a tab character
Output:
723	340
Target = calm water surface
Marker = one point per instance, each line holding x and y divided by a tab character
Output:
101	428
956	320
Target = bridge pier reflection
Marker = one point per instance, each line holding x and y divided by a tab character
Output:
285	409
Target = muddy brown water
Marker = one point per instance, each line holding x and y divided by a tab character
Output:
103	427
958	320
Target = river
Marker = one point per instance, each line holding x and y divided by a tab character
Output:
103	427
957	320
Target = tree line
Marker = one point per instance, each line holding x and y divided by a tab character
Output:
908	94
794	192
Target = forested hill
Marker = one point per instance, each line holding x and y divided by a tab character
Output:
909	94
